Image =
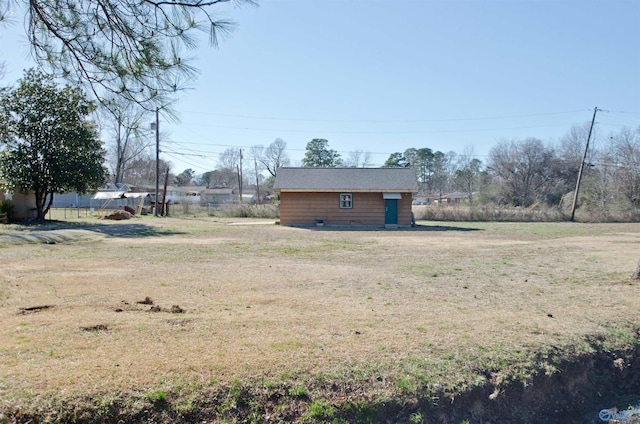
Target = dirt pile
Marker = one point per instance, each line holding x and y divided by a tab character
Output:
118	215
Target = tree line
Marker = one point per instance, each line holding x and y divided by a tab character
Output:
51	144
527	172
516	172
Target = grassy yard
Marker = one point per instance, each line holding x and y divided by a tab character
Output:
185	319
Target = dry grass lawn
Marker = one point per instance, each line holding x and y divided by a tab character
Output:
266	302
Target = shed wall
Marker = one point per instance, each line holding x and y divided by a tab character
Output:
305	208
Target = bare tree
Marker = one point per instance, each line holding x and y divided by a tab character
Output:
275	156
358	159
467	173
229	159
569	152
228	168
256	153
143	170
441	175
626	148
127	126
522	170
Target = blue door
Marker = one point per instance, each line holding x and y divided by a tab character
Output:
391	212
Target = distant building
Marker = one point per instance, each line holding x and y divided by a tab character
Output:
346	196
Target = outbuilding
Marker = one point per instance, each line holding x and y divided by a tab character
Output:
346	196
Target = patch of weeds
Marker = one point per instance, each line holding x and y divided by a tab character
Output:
416	418
106	404
362	412
99	328
298	391
617	338
407	384
321	411
157	397
235	391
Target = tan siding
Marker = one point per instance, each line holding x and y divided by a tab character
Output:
404	209
368	209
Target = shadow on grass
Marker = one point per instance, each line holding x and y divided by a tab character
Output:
52	232
418	227
128	230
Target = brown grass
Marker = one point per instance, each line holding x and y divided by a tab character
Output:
266	302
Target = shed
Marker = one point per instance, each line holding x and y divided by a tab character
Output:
346	196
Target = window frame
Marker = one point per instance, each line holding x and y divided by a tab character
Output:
342	200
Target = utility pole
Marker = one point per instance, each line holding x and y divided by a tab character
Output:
155	209
240	176
165	207
255	164
584	158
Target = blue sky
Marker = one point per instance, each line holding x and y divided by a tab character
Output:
383	76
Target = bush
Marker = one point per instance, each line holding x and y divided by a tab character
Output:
6	206
246	211
487	213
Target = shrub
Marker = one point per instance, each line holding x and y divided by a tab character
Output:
246	211
6	206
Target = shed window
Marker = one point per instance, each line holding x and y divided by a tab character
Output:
346	201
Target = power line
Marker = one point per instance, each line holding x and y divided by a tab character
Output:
484	118
386	132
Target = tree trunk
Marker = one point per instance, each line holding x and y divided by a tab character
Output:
636	275
40	197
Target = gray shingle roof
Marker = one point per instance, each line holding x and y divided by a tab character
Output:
346	179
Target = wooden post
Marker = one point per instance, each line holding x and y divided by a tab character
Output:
584	158
636	275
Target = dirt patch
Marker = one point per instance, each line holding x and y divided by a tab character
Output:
175	309
99	328
146	301
34	309
576	393
118	215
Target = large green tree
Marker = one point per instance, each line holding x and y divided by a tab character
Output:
185	178
319	155
396	160
134	49
49	145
